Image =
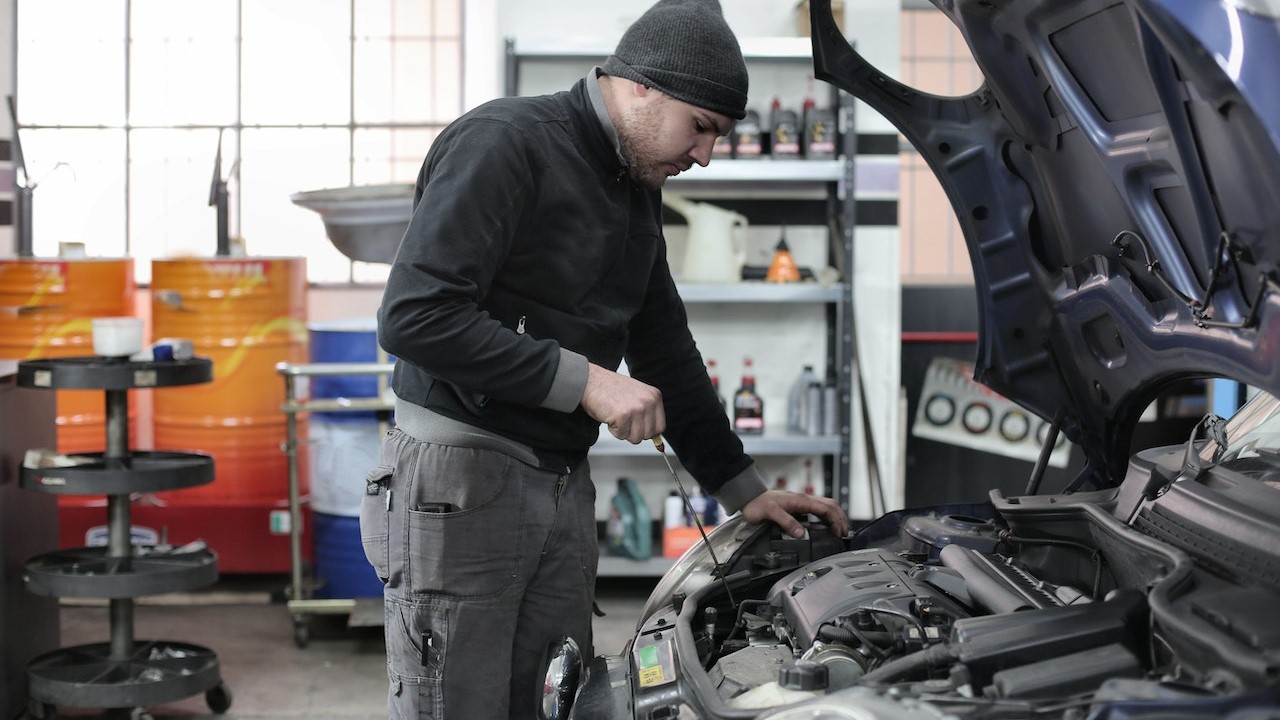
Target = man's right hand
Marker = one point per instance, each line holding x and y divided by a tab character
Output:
632	410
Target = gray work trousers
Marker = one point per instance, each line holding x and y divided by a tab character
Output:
477	589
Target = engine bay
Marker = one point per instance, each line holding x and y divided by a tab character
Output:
883	616
1041	606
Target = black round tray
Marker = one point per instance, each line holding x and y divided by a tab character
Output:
89	572
158	671
100	373
139	471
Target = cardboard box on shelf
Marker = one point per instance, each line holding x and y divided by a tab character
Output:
802	16
678	539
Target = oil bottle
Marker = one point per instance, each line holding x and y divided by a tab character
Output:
629	530
715	383
748	408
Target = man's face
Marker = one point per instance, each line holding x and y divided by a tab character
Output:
663	137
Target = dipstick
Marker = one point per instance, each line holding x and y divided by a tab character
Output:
662	450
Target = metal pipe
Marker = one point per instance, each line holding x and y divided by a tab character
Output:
119	520
218	201
1042	461
222	211
23	192
23	197
336	368
121	628
295	512
117	421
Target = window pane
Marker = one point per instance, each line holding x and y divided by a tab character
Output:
80	190
142	186
71	73
406	18
407	61
298	62
275	165
183	67
446	17
408	80
446	86
373	19
374	79
171	173
383	155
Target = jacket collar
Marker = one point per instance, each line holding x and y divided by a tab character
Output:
595	127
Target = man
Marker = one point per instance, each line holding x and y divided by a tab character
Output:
533	264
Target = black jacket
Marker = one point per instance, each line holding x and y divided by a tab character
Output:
528	236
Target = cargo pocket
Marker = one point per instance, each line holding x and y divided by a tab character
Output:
374	514
417	637
473	552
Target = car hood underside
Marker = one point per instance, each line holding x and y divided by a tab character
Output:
1117	180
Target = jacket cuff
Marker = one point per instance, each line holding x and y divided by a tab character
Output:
569	384
740	490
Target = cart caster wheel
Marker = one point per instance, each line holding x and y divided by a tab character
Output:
218	699
140	713
301	633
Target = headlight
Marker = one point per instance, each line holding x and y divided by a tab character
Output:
560	683
694	568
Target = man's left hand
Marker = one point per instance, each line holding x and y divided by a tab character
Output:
778	506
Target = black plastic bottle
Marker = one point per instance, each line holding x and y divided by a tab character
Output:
748	408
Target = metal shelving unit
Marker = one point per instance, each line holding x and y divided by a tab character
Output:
301	603
124	672
765	444
762	293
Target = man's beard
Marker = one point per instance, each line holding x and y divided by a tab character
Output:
638	136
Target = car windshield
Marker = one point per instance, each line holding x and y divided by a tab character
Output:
1253	432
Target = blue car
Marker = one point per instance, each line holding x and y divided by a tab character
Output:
1117	179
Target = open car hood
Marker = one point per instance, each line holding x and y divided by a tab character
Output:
1117	179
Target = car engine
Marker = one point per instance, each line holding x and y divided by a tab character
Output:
969	612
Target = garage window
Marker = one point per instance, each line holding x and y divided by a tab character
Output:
122	111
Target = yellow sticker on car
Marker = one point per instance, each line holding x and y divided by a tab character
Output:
650	676
654	664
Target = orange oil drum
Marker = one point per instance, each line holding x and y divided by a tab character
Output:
46	305
246	314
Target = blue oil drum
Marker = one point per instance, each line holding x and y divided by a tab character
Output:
344	341
342	449
343	446
340	566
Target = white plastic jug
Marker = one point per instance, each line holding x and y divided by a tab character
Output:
716	248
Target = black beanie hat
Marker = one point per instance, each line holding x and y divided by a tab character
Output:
685	49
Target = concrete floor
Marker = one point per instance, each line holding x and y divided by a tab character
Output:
339	675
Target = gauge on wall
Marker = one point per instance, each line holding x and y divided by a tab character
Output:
1042	432
1015	426
976	418
939	409
956	409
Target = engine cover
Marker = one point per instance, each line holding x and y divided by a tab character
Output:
874	580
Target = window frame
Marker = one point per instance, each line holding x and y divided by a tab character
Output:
469	43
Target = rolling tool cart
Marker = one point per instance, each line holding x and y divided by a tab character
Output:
124	672
302	602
